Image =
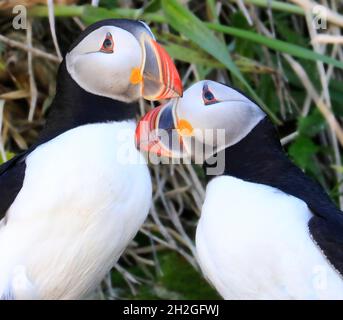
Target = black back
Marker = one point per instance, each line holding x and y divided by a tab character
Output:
259	158
12	175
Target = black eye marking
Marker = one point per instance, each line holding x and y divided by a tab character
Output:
207	96
108	44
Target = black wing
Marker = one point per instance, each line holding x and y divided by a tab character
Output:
328	234
326	225
12	175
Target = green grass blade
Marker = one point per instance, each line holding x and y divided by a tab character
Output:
278	45
276	5
191	56
59	11
197	56
90	14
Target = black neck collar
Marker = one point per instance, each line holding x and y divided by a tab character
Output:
259	158
73	107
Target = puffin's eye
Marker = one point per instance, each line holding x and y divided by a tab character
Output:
208	96
108	44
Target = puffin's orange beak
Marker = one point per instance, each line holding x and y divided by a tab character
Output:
158	133
147	139
160	78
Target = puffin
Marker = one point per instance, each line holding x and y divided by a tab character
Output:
267	230
72	202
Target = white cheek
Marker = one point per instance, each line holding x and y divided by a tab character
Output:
108	74
104	74
90	72
220	125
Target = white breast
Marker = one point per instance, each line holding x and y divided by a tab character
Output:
85	195
253	243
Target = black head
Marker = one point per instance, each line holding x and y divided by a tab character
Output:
120	59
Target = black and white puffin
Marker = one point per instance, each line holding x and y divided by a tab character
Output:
267	231
72	202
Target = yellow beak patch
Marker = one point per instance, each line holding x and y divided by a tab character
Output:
136	76
184	128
